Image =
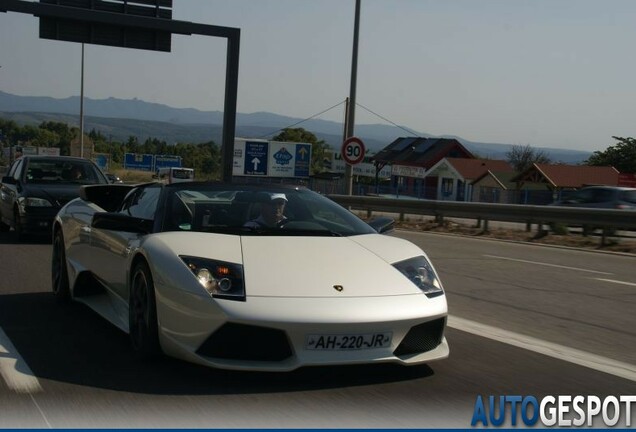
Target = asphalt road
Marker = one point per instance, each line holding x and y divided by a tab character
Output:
552	306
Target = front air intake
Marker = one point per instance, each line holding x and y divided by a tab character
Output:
422	338
246	342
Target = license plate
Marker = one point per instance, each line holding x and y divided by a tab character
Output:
348	341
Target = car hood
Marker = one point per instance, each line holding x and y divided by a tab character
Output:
294	266
58	194
325	266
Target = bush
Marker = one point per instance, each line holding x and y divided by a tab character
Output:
559	228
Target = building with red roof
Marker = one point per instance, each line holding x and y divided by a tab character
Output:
454	176
411	158
554	178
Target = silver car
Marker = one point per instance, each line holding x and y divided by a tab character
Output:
610	197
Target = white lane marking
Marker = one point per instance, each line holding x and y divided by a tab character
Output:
572	355
16	373
41	412
616	281
547	264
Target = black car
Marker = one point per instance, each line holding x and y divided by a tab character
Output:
37	187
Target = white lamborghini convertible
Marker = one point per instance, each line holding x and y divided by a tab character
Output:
202	272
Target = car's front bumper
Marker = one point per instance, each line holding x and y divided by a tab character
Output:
189	323
37	220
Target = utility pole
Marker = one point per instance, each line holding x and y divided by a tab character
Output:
350	119
82	108
346	120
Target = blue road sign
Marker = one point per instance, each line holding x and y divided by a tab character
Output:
102	161
256	158
139	162
303	160
165	161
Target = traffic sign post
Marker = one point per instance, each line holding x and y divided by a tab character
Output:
353	150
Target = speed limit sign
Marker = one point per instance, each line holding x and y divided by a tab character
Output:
353	150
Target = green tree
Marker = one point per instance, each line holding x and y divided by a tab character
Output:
132	145
209	161
522	157
205	158
26	134
96	136
46	138
153	146
621	155
117	152
301	135
9	130
64	132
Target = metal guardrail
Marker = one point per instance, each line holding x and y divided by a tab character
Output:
607	219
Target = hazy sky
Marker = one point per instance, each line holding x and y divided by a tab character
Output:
551	73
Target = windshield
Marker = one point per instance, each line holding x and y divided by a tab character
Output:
62	171
245	210
629	196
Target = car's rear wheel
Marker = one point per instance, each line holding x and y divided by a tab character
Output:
59	273
144	335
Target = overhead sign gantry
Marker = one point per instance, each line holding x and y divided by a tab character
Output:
138	24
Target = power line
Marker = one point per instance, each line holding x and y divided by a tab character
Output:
387	120
302	121
410	132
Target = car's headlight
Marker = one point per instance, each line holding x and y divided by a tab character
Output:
24	202
220	279
419	271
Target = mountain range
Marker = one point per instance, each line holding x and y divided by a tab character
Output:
121	118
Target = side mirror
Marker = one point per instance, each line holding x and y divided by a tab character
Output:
121	222
382	224
8	180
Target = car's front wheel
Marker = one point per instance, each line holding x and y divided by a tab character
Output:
59	273
142	314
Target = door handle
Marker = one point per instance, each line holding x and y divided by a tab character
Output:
86	229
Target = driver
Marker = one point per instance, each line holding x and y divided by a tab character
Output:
77	173
272	209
